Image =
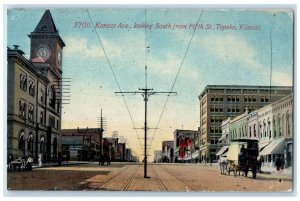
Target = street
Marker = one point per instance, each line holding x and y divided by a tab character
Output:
130	177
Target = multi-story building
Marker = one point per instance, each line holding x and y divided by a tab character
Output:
185	145
271	125
34	94
81	143
157	156
276	131
167	151
218	102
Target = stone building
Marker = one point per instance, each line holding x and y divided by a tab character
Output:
218	102
34	94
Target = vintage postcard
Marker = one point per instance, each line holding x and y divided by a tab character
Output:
150	99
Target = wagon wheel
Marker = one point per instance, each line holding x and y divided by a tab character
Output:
254	173
235	171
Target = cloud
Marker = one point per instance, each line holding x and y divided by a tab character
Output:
232	48
170	66
282	79
80	46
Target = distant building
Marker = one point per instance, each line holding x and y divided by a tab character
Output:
121	152
34	94
167	151
81	144
185	145
218	102
157	156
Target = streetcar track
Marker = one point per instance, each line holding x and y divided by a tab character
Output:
188	188
105	181
159	180
126	187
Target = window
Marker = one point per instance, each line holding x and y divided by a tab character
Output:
21	144
30	142
274	127
254	130
52	122
22	109
228	98
52	97
30	113
42	97
31	88
23	82
42	145
42	117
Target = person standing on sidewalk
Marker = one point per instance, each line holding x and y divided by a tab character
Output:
278	163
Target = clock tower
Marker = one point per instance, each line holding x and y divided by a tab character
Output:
46	42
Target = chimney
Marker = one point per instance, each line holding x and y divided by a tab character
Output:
16	48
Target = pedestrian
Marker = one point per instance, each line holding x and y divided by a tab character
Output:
23	163
278	163
29	163
243	150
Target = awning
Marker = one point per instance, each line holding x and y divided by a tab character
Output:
222	138
222	150
195	154
275	147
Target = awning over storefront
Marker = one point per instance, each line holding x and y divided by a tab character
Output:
222	138
222	150
263	145
195	154
275	147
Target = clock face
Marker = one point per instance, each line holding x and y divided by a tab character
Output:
43	52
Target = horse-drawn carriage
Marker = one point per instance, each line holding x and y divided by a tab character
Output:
241	157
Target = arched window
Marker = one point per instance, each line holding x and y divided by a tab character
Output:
260	130
274	127
52	97
21	144
265	129
30	142
288	124
54	147
269	128
42	144
279	126
31	88
22	109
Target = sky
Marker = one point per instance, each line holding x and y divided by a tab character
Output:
205	56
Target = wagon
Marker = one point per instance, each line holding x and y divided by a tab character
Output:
242	157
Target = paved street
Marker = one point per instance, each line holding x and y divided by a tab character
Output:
129	177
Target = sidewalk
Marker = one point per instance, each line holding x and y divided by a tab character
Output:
267	172
64	163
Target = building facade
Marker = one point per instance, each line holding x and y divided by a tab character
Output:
218	102
185	145
272	126
167	151
34	94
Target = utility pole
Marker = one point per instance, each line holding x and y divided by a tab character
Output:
146	92
101	139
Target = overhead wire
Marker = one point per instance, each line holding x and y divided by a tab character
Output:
114	75
175	80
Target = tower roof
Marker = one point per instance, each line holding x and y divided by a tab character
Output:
46	27
46	24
